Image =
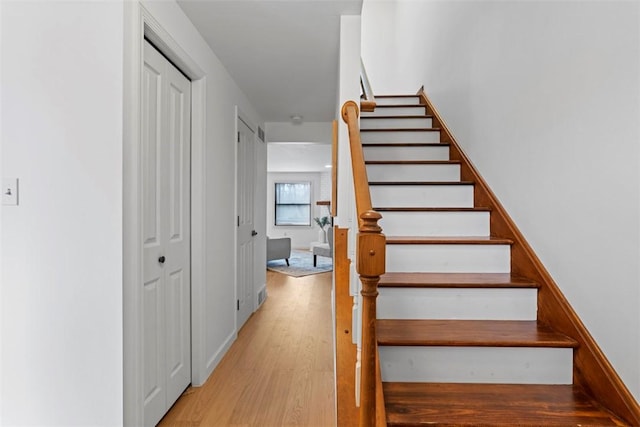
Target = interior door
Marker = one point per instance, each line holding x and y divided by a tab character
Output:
246	230
166	159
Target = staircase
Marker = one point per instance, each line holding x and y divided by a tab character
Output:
459	335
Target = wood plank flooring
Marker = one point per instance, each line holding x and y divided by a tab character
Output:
279	372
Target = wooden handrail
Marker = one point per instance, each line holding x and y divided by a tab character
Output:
360	181
370	265
369	101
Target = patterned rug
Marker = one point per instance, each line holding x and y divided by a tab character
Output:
301	264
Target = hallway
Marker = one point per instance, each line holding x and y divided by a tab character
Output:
279	372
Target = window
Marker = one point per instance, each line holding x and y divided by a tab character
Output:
293	203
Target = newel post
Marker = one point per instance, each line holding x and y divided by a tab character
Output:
370	265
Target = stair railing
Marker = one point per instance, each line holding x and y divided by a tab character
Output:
370	265
368	103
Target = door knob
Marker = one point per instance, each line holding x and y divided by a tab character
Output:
254	233
161	259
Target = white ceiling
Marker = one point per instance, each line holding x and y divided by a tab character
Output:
282	53
298	157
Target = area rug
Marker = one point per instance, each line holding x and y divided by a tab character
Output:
301	264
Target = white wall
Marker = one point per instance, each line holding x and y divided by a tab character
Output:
298	157
61	295
320	132
301	236
217	312
544	97
349	90
61	289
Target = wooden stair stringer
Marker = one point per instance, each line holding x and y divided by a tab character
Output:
592	371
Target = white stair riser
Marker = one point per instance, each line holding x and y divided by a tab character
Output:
381	137
407	153
392	173
444	258
458	303
400	100
395	111
435	223
396	123
430	196
508	365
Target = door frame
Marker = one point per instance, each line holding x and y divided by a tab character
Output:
241	116
138	24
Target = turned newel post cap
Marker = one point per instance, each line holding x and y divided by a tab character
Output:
370	222
346	106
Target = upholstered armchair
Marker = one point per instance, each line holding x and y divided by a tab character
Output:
325	249
279	248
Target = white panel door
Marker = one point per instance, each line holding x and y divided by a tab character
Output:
166	160
246	229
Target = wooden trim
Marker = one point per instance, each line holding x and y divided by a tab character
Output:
368	106
345	349
592	370
334	170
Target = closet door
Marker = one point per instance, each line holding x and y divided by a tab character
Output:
246	229
166	138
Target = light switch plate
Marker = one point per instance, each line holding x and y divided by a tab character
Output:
10	191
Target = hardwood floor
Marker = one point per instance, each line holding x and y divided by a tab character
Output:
279	372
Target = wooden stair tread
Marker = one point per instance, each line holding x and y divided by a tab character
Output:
455	280
469	333
400	106
421	183
439	404
412	162
398	96
446	240
414	116
428	209
407	144
402	130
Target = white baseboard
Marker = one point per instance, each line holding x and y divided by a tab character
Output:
218	355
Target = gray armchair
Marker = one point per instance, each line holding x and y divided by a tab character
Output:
325	249
279	248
